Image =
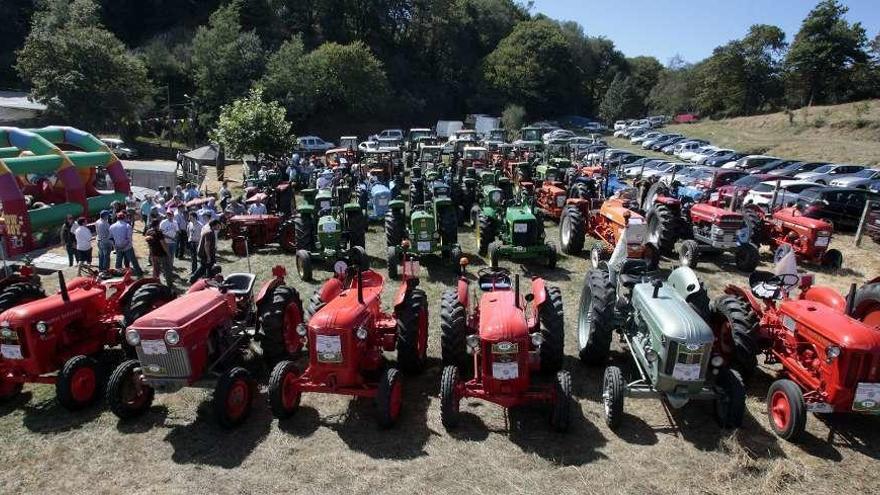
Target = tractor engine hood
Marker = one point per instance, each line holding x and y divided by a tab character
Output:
53	308
328	225
837	328
712	214
208	307
519	214
793	217
500	320
379	190
670	315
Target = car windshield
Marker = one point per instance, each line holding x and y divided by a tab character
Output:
811	193
824	169
747	181
866	174
531	134
763	187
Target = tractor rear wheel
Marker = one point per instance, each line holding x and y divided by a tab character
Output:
448	225
240	246
303	230
357	228
747	257
145	299
304	265
78	383
730	406
273	313
287	237
315	304
126	396
572	231
786	410
395	228
552	255
453	330
598	253
754	220
832	259
662	228
561	416
595	314
412	332
552	320
735	321
393	262
416	194
689	253
450	401
389	398
234	397
866	305
284	396
613	393
654	190
474	218
19	293
486	233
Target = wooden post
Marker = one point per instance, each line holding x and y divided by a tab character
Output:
861	228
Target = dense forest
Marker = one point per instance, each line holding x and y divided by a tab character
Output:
116	64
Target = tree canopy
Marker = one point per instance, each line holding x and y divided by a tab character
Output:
251	126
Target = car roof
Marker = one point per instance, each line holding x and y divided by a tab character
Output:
789	182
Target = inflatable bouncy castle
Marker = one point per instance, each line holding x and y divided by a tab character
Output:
47	174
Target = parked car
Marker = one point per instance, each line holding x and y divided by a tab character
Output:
687	147
663	169
634	170
740	187
719	160
787	193
662	138
313	144
861	179
702	158
750	161
839	205
825	174
690	155
120	149
388	134
620	124
558	134
659	145
770	166
797	167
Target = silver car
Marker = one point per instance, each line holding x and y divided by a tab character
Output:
860	180
825	174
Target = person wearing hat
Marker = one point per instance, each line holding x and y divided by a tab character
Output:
105	245
83	238
169	229
121	234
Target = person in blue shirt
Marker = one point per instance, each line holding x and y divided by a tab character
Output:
121	234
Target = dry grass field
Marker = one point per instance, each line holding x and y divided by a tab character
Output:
332	445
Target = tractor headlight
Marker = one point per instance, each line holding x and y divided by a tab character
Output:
650	354
716	230
832	352
132	337
301	330
172	337
361	333
42	327
473	343
716	361
743	235
537	339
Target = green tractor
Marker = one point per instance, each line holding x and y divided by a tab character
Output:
329	226
487	214
432	229
521	236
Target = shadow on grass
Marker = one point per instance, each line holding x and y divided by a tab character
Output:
13	404
155	416
856	431
204	442
530	429
48	416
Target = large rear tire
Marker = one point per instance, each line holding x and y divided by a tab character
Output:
735	320
315	304
448	225
663	228
273	313
595	315
395	228
730	407
304	233
145	299
572	231
357	228
866	305
412	332
19	293
552	320
453	330
486	233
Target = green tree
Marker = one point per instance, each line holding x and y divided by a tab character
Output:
644	73
820	61
81	71
250	125
15	15
674	91
595	62
512	119
531	67
225	61
620	101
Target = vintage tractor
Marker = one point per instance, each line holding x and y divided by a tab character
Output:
703	228
204	338
788	230
433	228
486	215
551	191
59	339
503	341
19	284
826	344
251	232
674	350
374	195
521	233
347	334
328	228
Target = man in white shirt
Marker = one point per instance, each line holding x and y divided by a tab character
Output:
83	242
169	229
193	234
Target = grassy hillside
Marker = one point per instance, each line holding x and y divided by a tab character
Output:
840	133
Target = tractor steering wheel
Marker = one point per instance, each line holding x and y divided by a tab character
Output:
784	281
490	278
773	286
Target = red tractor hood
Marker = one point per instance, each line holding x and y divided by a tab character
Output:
344	310
255	219
838	328
500	319
53	307
186	310
793	216
713	214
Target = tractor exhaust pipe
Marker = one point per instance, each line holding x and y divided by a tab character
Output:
63	286
851	299
516	291
360	285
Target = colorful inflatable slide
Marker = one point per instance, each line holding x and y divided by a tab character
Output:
48	173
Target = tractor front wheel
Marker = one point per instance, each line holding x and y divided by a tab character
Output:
572	231
613	393
284	396
450	401
832	259
273	313
734	319
561	417
127	397
393	262
552	322
730	405
689	253
786	410
453	328
304	265
389	398
747	257
595	315
234	397
78	383
412	332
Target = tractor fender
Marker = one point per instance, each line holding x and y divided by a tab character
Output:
539	292
463	292
267	288
126	293
745	295
330	289
351	207
827	296
443	201
293	317
200	284
685	281
873	281
402	292
15	279
666	200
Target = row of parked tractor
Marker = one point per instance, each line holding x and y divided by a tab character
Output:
501	342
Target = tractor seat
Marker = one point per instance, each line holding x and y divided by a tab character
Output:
240	284
494	282
632	271
758	282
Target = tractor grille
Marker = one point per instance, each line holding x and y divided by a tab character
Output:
686	356
174	364
862	368
527	238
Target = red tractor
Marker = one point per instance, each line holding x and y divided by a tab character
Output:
506	340
58	339
250	232
788	230
205	337
347	334
828	345
607	225
19	284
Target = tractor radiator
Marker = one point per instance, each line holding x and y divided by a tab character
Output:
527	238
173	364
862	368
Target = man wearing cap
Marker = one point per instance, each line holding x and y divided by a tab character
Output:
105	245
120	233
169	229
